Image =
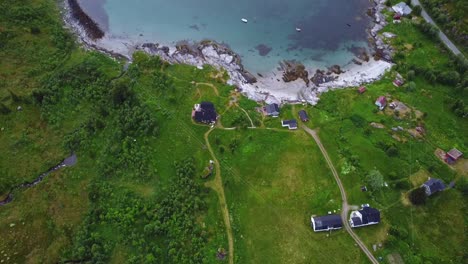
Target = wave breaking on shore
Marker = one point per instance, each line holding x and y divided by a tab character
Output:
289	83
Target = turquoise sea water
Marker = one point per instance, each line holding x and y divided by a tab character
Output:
328	27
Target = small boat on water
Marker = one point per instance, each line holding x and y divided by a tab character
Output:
298	29
244	20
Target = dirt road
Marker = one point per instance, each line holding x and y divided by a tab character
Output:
345	206
217	185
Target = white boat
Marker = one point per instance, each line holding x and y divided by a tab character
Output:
244	20
298	29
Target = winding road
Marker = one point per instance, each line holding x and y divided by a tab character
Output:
442	35
345	205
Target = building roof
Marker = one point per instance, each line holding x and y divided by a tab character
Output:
303	115
272	109
327	222
434	185
356	221
292	123
362	89
206	113
366	216
402	8
455	153
370	215
382	100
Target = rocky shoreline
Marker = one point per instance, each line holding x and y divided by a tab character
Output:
92	29
291	83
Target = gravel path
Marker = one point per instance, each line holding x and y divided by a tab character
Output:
346	206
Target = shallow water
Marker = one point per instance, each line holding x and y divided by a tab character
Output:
328	28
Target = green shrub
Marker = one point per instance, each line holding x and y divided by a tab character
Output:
418	196
417	10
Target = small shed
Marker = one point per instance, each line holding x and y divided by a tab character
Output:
362	89
402	8
381	102
453	155
303	115
398	82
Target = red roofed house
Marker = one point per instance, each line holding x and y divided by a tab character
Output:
362	89
381	102
453	155
398	82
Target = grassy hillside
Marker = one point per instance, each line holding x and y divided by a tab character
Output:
137	193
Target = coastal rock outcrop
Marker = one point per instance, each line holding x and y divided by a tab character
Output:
92	29
382	51
294	70
321	77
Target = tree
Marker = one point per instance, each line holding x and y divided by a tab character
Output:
4	109
417	10
450	77
410	75
392	151
418	196
375	179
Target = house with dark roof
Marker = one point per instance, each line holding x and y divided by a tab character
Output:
303	115
381	102
272	110
453	155
326	223
364	217
204	112
433	185
291	124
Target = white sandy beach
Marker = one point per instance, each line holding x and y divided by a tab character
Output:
271	90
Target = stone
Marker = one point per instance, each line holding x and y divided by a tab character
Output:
293	70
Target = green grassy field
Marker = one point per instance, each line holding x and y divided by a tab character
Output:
130	199
274	182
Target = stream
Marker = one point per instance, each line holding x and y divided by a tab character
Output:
69	161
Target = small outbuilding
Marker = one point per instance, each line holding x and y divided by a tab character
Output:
272	110
366	216
402	8
303	115
204	112
362	89
326	223
433	185
453	155
381	102
291	124
398	82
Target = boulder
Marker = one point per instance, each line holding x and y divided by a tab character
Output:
294	70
